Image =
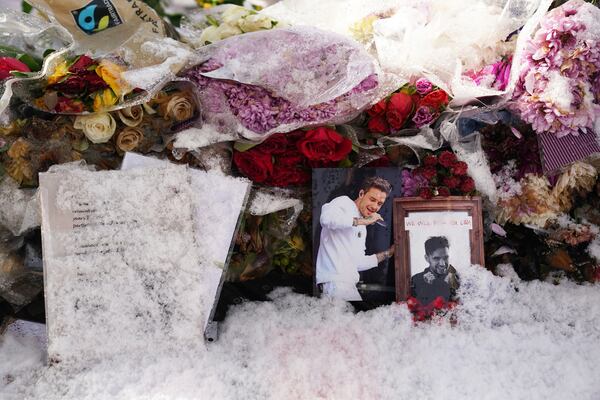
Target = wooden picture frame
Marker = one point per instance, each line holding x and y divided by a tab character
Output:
416	219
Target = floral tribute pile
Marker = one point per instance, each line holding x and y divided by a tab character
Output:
271	101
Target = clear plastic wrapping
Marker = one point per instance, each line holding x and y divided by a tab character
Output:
297	77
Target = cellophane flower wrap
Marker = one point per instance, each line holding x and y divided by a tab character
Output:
281	80
559	87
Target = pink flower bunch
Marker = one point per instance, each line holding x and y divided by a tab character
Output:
557	91
495	76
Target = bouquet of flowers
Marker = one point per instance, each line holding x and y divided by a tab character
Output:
285	159
559	87
439	175
299	77
32	145
412	106
83	84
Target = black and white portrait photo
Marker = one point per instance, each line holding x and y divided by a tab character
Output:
438	239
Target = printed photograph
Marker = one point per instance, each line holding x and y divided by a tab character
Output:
353	247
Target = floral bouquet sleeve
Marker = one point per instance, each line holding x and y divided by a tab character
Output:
280	80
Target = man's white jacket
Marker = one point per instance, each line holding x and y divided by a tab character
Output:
342	247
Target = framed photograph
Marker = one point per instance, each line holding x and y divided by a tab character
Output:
434	241
353	234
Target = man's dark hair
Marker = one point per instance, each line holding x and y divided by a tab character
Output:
434	243
377	183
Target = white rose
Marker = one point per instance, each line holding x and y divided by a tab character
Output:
234	13
226	30
98	128
255	22
131	116
209	35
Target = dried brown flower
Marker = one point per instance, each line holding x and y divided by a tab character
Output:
20	170
129	138
131	116
579	177
20	148
180	107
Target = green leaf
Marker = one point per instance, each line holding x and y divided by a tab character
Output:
26	7
31	62
211	20
9	51
345	163
175	19
242	146
20	74
47	52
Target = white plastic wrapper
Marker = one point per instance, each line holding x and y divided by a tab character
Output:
437	39
30	35
280	80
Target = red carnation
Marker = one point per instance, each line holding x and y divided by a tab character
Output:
425	193
430	160
378	109
290	158
443	191
447	158
399	109
459	168
378	125
429	173
451	182
467	185
436	99
324	144
254	164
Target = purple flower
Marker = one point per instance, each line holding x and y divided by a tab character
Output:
423	116
423	86
411	183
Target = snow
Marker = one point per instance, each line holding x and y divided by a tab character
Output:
538	342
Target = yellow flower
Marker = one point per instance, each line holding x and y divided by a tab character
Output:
296	242
104	99
362	30
111	74
60	72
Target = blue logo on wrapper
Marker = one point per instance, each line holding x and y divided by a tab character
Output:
97	16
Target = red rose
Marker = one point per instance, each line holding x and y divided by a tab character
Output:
290	158
436	99
324	144
380	162
447	158
467	185
425	193
81	64
286	176
412	303
378	109
399	108
451	182
430	160
378	125
428	173
294	136
275	144
443	191
66	105
8	64
438	303
459	168
254	164
79	84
